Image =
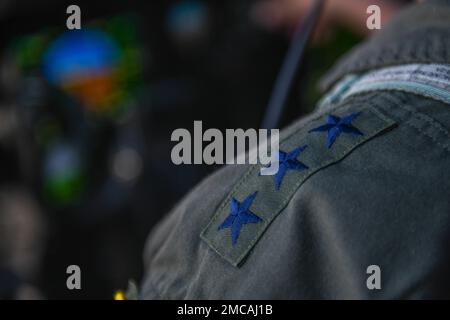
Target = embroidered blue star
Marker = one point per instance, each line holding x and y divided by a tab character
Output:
335	126
288	161
239	215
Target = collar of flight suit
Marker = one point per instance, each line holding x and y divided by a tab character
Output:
419	34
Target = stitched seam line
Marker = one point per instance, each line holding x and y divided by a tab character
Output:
444	146
402	103
421	116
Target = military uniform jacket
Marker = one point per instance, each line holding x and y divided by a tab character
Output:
364	186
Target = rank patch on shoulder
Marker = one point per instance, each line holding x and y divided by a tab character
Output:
288	161
336	125
256	200
239	215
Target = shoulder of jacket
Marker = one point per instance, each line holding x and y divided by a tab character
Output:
311	144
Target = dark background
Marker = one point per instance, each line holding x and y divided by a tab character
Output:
122	179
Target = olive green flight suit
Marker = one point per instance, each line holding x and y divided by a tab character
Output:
375	192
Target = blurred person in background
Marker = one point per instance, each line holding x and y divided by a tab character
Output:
286	14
